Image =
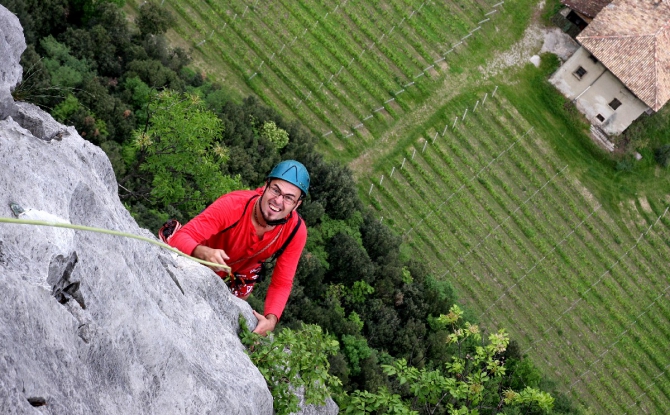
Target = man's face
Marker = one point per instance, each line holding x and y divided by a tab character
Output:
279	200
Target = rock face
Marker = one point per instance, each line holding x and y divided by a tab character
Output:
93	323
12	45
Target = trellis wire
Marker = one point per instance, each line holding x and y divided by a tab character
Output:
469	180
653	382
618	338
371	46
565	238
608	270
500	224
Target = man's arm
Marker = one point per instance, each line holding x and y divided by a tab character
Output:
265	323
282	276
209	222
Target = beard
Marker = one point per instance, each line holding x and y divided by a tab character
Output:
267	220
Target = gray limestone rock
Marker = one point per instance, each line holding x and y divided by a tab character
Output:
12	45
38	122
330	407
93	323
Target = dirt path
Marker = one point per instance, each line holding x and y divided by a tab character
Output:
363	164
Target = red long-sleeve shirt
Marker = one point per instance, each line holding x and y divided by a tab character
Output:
242	245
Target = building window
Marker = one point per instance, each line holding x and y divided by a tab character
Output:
615	104
593	59
600	118
579	73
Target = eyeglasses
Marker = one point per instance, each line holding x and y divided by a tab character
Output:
288	199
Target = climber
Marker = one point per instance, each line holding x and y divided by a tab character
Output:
246	228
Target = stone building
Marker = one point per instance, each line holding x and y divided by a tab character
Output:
622	68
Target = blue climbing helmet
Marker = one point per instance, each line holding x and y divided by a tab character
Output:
293	172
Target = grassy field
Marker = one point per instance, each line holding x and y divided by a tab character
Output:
346	85
504	195
580	281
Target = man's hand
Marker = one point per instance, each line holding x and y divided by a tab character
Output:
217	256
265	323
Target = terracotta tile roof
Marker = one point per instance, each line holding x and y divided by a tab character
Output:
589	8
632	39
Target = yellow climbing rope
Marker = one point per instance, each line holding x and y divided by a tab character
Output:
109	232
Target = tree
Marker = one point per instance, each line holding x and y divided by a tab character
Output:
332	186
349	261
154	19
276	135
252	152
66	71
356	349
462	387
81	11
71	111
39	18
176	160
153	73
379	241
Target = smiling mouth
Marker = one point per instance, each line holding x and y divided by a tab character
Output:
274	208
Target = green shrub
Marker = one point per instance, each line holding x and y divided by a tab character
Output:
662	155
291	359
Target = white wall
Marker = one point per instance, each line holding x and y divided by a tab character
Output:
595	91
569	84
